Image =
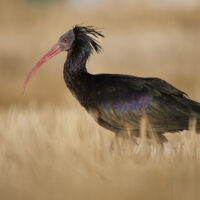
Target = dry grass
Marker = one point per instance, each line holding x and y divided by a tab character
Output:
54	151
57	153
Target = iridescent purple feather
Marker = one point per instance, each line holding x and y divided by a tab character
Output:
134	103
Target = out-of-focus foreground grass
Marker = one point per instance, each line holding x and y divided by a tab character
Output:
55	151
59	153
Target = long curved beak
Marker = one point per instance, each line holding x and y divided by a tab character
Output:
52	52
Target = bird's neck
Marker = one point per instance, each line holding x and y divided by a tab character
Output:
76	76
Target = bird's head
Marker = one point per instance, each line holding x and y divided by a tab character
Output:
77	40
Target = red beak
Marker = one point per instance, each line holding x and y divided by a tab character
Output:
52	52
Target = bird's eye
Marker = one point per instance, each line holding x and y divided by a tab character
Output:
65	40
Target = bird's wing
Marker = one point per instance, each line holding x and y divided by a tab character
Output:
162	87
121	101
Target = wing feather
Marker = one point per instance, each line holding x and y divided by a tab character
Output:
122	100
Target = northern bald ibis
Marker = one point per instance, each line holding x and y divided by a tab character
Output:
118	102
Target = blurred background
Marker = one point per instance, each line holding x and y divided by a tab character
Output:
143	38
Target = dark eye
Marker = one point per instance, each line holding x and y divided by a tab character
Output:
65	40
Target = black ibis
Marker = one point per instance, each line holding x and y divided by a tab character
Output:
118	102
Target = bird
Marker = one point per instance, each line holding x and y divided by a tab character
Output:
118	102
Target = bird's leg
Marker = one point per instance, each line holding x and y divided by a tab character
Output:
162	138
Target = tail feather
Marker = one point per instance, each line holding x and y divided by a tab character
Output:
187	110
195	112
194	108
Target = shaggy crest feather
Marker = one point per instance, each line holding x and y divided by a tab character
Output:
85	39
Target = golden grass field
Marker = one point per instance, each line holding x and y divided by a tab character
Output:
50	148
59	153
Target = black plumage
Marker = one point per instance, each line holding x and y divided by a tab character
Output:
118	102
